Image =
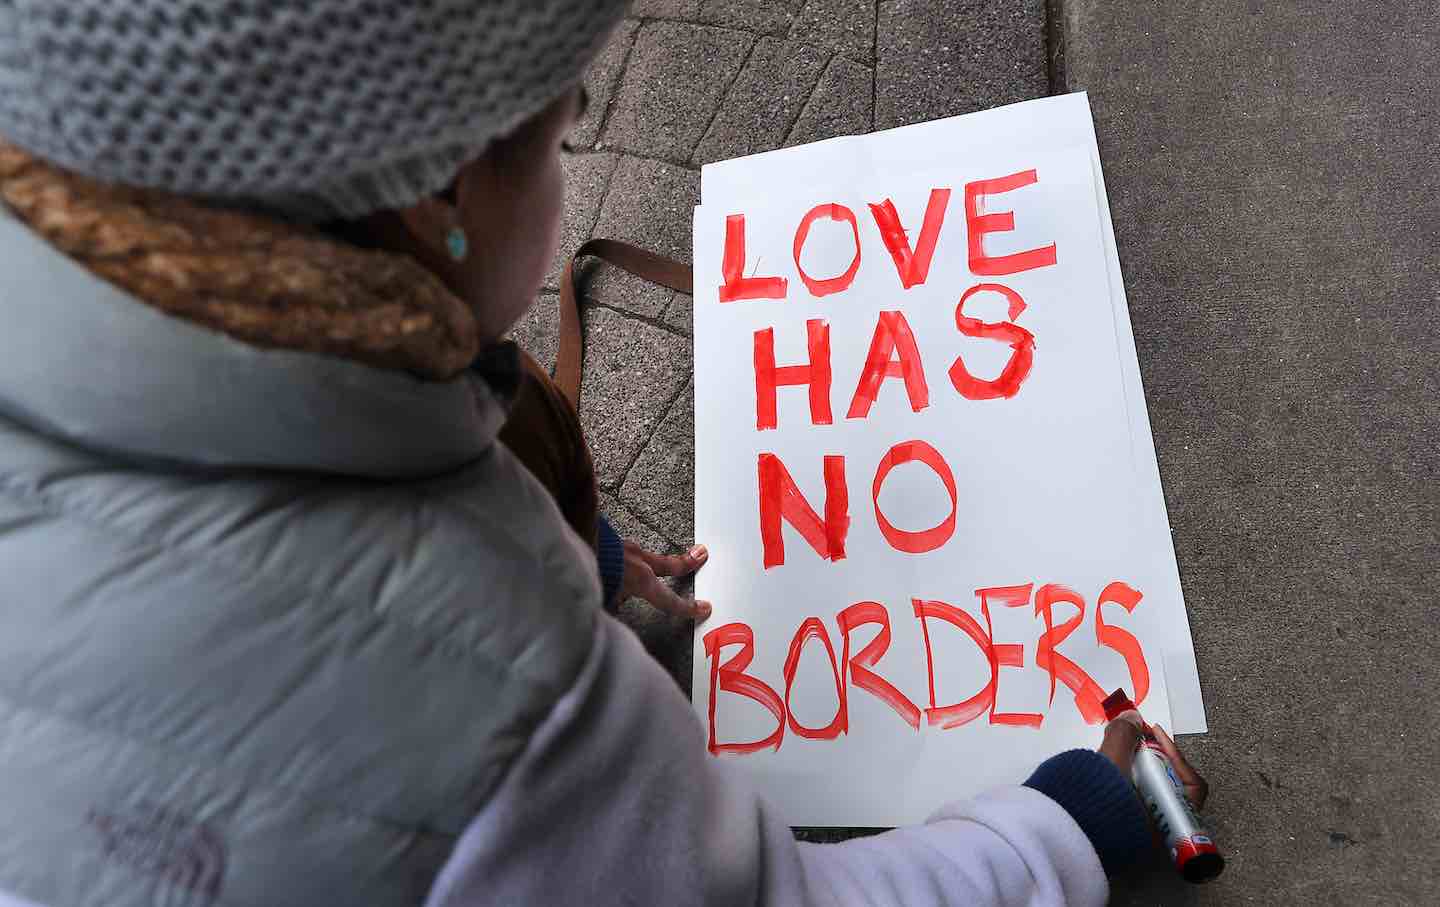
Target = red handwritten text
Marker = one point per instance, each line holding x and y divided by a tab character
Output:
730	677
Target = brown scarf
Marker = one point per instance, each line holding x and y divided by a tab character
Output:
260	280
281	286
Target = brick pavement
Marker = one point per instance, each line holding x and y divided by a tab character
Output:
686	82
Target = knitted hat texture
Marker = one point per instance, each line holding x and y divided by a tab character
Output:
316	109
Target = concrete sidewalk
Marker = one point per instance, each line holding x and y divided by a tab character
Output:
1274	182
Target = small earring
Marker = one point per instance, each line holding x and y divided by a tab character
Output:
456	242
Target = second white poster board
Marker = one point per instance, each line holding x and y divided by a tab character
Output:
923	467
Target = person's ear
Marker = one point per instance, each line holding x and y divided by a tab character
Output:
432	224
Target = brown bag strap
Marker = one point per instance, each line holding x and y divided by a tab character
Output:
642	263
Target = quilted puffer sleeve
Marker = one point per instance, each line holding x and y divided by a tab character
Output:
616	801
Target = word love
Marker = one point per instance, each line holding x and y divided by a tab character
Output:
912	265
731	677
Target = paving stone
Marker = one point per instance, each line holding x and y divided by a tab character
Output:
538	331
600	81
668	639
632	372
765	100
666	9
672	87
843	26
839	106
586	176
661	484
619	289
766	17
650	204
680	314
630	526
939	58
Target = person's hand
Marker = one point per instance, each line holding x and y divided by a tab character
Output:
641	579
1123	733
1197	789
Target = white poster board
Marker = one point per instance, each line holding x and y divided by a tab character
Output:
941	537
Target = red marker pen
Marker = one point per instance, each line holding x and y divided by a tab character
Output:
1191	847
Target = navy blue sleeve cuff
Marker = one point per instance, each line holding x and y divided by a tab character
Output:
610	553
1102	802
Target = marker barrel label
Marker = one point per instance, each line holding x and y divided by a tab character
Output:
1164	796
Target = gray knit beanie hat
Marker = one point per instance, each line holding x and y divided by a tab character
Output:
316	109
